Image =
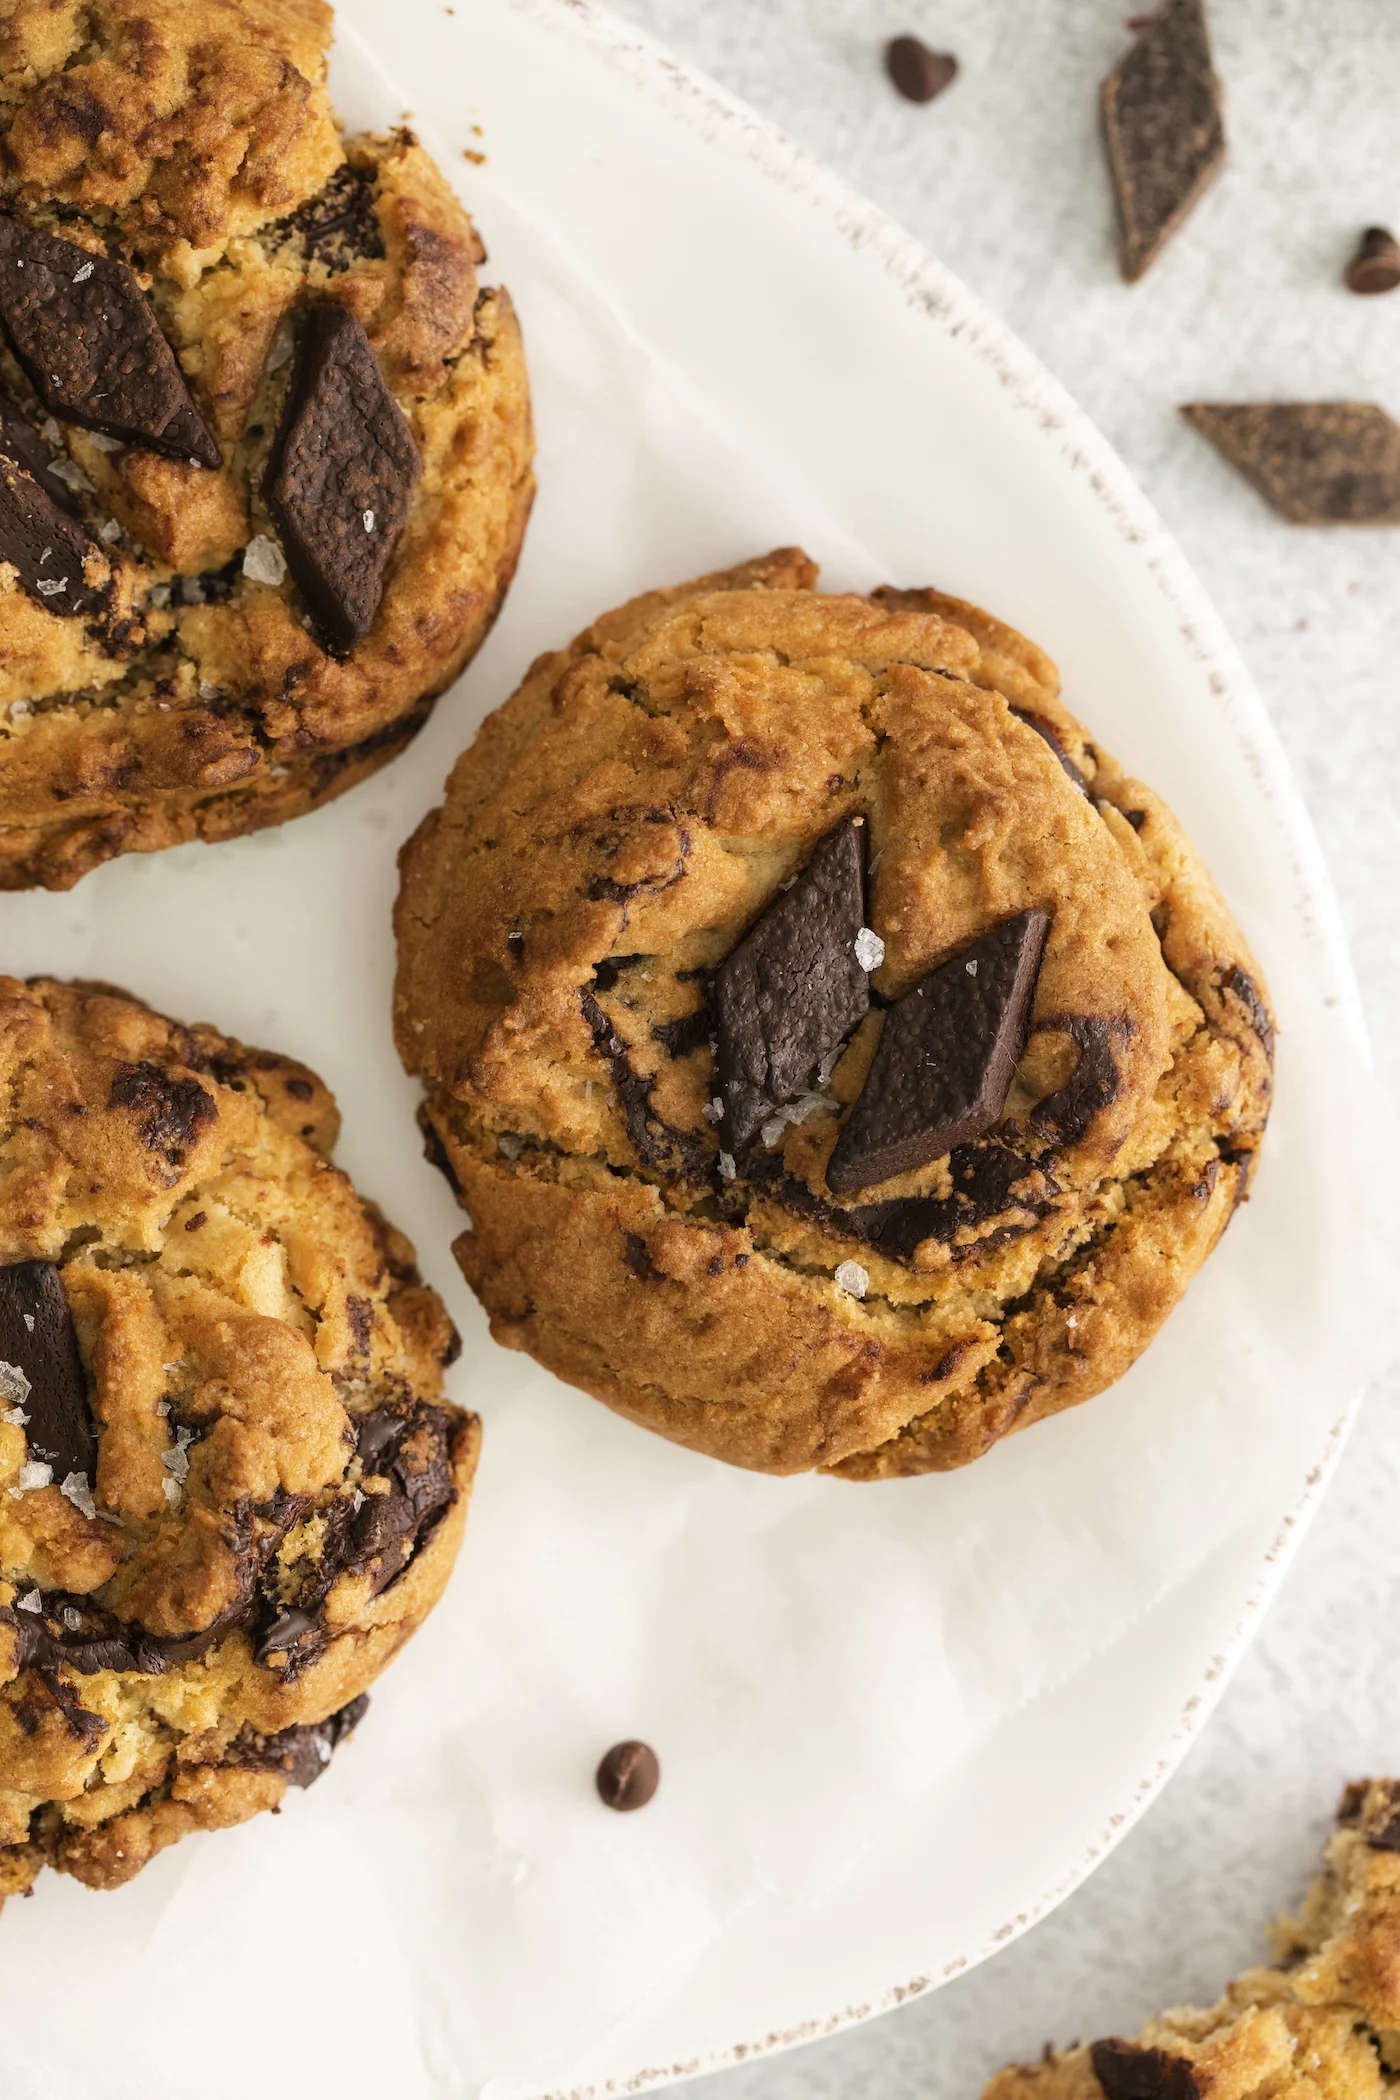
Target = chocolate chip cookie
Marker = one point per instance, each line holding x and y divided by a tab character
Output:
230	1485
265	439
843	1062
1324	2018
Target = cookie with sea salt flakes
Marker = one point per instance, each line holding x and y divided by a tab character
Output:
841	1060
265	438
230	1483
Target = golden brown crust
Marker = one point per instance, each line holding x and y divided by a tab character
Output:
636	804
1321	2023
241	1315
207	708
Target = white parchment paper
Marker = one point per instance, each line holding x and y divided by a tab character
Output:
894	1722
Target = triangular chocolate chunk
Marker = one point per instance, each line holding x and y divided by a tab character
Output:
84	331
793	988
22	445
1162	123
37	1341
1316	462
43	544
945	1058
342	473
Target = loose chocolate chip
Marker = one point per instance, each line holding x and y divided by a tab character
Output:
628	1776
945	1058
1375	267
22	445
1163	127
342	473
918	73
174	1113
83	330
46	546
793	988
37	1338
1126	2071
1316	462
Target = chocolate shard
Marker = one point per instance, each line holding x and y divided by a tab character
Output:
1127	2071
1315	462
342	474
84	331
45	546
413	1453
38	1342
945	1058
793	988
303	1751
1163	128
21	444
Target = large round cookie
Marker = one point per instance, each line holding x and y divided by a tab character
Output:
841	1060
265	442
230	1486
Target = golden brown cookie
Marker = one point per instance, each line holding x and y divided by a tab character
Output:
240	552
1321	2023
230	1485
674	827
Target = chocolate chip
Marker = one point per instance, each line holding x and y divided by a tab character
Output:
679	1154
301	1752
793	988
1240	982
628	1776
284	1634
1375	267
1163	127
1316	462
22	445
945	1058
173	1113
1047	735
1127	2071
84	331
342	473
918	73
37	1337
1066	1114
339	226
45	545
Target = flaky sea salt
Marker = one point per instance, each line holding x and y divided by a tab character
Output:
29	1321
82	276
727	1167
33	1475
51	431
72	1619
806	1104
972	969
367	520
14	1386
207	689
30	1601
281	350
110	532
263	560
49	588
852	1279
357	1502
16	1415
713	1111
76	1488
103	442
71	475
870	949
509	1146
828	1066
172	1491
176	1459
160	595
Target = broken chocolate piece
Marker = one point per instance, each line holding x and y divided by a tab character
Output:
37	1340
945	1058
1162	124
84	331
413	1453
793	988
1375	267
918	73
45	545
341	475
628	1776
303	1751
22	445
340	225
1316	462
1127	2071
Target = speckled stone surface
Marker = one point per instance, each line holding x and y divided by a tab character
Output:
1004	178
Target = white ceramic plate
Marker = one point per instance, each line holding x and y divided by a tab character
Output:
897	1723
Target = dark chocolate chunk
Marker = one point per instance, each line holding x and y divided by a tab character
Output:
339	226
342	473
1127	2071
45	545
84	331
174	1113
989	1181
945	1058
37	1338
1047	735
681	1154
303	1751
918	73
286	1633
1316	462
1163	127
1374	1805
792	989
22	445
628	1775
1246	991
1375	267
1066	1114
413	1453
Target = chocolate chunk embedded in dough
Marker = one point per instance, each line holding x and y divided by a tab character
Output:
793	988
342	471
1316	462
22	445
37	1340
1127	2071
945	1058
173	1113
628	1776
44	545
84	331
1163	128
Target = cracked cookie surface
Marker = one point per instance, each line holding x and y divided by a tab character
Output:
173	682
1321	2022
250	1490
614	833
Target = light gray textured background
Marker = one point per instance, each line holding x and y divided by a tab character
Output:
1004	179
